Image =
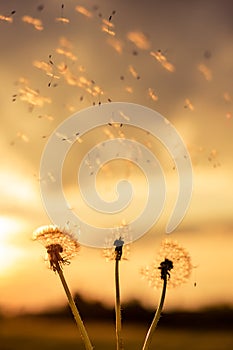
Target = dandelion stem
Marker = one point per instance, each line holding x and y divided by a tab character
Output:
119	339
156	318
74	310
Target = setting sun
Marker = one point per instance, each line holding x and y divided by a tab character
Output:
9	252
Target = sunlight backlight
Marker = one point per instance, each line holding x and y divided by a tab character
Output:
15	186
8	252
8	227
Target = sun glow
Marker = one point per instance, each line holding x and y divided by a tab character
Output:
9	253
17	188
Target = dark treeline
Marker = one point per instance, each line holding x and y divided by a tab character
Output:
214	318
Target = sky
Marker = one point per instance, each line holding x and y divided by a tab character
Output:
58	58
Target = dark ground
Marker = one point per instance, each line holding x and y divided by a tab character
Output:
210	329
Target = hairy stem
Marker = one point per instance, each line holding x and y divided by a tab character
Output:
156	318
118	307
74	310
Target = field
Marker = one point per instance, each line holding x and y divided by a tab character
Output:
49	334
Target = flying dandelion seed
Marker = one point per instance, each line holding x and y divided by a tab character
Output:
62	19
83	11
6	18
62	68
9	18
152	94
32	97
106	29
46	116
162	59
158	56
64	42
169	66
129	89
14	97
106	25
37	23
45	66
139	39
188	105
133	72
22	137
205	71
227	97
66	53
111	16
116	44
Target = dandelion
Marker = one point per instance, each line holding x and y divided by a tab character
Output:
62	246
115	252
172	267
110	253
181	261
118	243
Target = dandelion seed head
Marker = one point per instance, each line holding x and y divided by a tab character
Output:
60	244
180	265
115	244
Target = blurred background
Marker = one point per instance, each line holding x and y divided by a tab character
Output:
59	57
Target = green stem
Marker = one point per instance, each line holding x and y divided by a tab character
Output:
74	310
156	318
118	308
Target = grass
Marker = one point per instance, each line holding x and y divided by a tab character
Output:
42	333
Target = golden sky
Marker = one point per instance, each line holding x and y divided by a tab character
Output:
174	57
